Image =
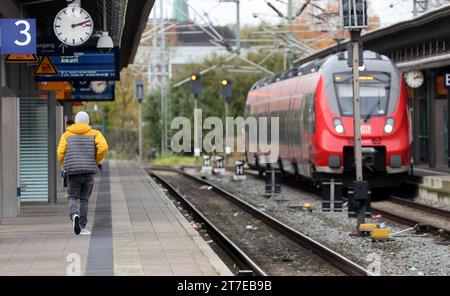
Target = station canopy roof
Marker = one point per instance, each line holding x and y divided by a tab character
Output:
126	20
422	42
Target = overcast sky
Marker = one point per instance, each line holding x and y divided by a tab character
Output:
390	11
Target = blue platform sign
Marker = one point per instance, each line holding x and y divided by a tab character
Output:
18	36
87	91
84	64
51	46
447	80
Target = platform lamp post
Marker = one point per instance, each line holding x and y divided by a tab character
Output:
227	94
354	18
139	95
196	87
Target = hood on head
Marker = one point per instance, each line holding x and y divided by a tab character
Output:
79	128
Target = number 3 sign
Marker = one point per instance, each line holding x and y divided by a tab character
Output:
18	36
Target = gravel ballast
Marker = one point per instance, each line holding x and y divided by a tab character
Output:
405	254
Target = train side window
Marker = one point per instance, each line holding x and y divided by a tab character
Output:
295	123
312	113
282	126
298	122
283	122
289	125
256	115
299	115
303	113
286	115
268	115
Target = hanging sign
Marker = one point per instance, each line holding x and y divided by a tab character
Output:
83	66
18	36
21	58
45	67
62	89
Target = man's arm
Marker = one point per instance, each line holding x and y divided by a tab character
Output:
101	145
62	148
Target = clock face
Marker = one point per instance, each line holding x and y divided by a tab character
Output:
414	79
73	26
98	87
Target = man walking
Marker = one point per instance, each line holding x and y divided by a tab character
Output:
80	150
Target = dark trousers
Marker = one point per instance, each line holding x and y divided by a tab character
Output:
80	189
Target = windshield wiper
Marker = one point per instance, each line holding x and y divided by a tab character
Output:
371	113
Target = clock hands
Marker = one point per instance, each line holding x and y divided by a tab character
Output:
80	24
73	26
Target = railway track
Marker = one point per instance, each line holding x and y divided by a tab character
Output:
269	247
399	209
421	216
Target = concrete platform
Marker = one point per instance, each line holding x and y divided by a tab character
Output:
136	230
431	185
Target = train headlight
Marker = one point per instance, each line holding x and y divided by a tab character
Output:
338	126
389	127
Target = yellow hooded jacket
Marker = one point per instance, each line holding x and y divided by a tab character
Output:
82	129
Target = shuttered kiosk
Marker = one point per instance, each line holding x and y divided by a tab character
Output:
38	166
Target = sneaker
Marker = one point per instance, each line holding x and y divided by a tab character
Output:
76	224
84	231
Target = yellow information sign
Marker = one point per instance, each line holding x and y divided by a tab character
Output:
62	89
21	58
45	67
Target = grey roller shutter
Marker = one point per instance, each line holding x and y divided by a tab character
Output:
33	149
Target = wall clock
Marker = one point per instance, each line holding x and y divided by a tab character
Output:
73	25
98	87
414	79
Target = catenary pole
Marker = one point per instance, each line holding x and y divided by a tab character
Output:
163	82
238	27
357	119
290	13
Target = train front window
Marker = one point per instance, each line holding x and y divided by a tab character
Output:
375	90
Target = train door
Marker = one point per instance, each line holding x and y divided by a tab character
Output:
272	112
299	133
311	127
250	155
258	110
290	139
305	138
263	112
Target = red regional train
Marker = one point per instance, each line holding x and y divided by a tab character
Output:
314	104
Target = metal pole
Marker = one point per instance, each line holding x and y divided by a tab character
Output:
52	165
290	13
196	134
163	82
357	113
105	26
238	27
357	119
140	130
153	69
226	134
2	85
431	77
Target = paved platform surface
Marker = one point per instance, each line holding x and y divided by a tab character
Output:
136	230
427	171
